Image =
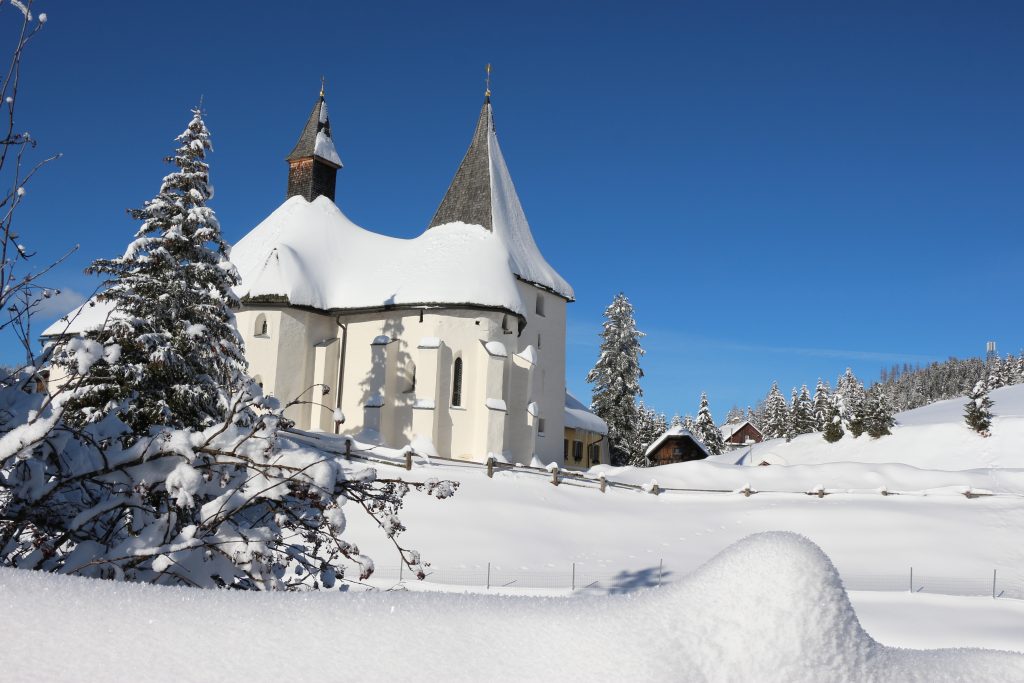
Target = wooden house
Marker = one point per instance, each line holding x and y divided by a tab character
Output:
737	434
675	445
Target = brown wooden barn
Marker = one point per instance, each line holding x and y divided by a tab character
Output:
675	445
737	434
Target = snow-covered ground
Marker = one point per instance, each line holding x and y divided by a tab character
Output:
795	623
770	609
519	522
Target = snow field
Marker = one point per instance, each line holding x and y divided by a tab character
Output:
794	624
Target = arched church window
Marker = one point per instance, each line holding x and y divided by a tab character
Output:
457	383
262	328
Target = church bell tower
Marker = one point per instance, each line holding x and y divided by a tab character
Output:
314	162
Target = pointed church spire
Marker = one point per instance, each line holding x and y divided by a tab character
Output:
314	162
469	196
482	193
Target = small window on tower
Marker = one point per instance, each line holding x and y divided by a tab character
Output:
540	427
540	304
261	329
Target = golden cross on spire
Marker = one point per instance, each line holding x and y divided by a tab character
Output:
321	86
488	81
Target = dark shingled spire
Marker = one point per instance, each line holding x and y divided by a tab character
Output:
312	169
469	196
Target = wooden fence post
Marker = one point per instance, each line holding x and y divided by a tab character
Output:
408	460
348	448
490	468
554	475
602	482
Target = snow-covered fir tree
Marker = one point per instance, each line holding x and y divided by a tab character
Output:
649	426
801	417
677	420
616	376
689	424
752	418
854	397
180	361
978	410
822	396
776	414
879	414
833	430
735	414
997	376
706	429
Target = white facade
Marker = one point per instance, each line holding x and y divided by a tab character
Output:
396	373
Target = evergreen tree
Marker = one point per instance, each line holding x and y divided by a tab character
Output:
879	414
978	411
688	424
801	413
677	421
752	417
706	429
650	425
822	396
833	430
180	363
776	414
854	397
735	414
996	374
616	377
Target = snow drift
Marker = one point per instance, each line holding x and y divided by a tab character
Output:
794	623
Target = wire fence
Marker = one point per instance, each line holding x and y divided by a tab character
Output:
344	446
578	577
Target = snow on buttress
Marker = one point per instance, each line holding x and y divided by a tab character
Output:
311	253
769	608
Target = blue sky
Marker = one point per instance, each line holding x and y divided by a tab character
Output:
782	189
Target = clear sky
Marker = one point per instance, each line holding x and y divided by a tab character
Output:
781	188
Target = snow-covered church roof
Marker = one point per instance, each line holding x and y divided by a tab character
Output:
482	193
311	254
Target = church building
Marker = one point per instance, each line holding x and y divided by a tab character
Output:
453	341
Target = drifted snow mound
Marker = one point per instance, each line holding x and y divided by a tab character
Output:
769	608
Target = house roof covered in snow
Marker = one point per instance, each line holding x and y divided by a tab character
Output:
315	139
92	315
673	433
482	193
578	416
730	428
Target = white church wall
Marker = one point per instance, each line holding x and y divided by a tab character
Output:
546	323
401	386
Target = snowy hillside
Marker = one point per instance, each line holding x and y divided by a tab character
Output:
795	623
934	436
